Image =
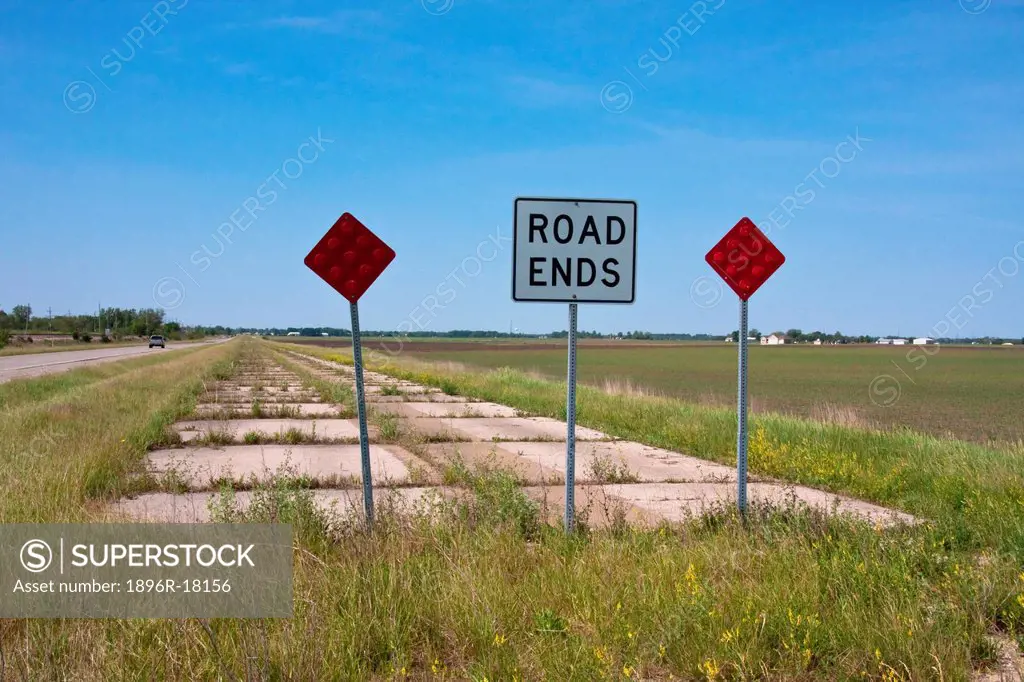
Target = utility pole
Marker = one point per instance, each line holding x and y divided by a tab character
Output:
49	312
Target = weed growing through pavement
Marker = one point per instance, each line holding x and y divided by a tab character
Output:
213	437
283	497
604	470
387	425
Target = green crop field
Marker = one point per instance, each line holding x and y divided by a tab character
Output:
971	393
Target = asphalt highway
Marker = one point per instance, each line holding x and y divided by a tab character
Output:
38	364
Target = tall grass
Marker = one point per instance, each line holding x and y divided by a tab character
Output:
74	439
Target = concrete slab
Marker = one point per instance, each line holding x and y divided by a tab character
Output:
418	398
378	399
325	429
243	398
600	462
347	502
199	467
650	503
502	428
378	389
672	500
493	456
245	410
292	388
452	410
445	398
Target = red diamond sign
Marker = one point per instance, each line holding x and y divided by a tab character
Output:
745	258
349	257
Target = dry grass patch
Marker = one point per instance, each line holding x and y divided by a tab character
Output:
839	415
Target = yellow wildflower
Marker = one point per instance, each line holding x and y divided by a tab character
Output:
499	639
691	580
710	668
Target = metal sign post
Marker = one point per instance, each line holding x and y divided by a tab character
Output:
741	415
364	440
350	258
573	251
745	258
570	419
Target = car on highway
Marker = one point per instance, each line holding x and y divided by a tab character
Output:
157	341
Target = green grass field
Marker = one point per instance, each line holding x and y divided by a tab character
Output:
969	393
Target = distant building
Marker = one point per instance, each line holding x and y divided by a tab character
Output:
899	342
773	340
324	334
293	333
924	341
884	342
817	342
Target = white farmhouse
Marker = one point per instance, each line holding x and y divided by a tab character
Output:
773	340
924	341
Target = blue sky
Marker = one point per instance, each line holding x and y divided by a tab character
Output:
131	132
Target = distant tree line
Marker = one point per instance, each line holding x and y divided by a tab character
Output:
22	323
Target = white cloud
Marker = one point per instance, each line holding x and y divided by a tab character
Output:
340	22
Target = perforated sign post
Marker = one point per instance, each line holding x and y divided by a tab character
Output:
350	258
573	251
745	258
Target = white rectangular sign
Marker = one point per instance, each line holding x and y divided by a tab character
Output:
574	251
